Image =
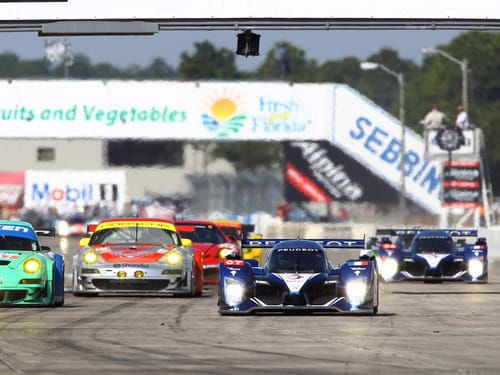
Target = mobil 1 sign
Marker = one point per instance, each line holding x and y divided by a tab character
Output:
373	137
68	189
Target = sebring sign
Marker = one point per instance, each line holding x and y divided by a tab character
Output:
372	137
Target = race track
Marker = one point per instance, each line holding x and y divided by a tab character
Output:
450	328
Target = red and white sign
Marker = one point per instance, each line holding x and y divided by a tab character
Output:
11	187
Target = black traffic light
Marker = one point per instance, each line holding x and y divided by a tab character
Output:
248	44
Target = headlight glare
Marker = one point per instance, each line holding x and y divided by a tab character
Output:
475	267
355	291
90	257
388	268
32	265
234	291
173	258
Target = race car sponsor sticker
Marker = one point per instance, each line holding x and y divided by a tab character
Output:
295	281
433	259
130	265
294	249
14	228
358	263
133	224
9	256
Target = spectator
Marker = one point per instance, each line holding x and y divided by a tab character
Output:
434	119
283	210
462	118
283	61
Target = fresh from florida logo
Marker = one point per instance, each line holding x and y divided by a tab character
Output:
223	114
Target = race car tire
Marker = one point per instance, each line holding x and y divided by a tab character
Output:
195	291
60	302
230	313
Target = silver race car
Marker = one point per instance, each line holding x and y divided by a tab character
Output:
136	256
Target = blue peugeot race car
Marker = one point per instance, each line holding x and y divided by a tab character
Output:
298	276
433	256
30	274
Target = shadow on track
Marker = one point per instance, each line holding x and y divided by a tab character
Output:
315	314
442	293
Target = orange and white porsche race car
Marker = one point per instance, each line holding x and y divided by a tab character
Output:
137	256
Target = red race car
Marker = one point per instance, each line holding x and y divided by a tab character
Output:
209	240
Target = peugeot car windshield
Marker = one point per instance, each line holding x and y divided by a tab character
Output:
135	234
405	241
429	244
303	260
18	243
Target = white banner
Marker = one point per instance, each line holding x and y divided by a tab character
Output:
370	135
244	10
165	110
67	190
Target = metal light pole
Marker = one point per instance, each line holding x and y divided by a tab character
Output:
368	65
463	67
59	51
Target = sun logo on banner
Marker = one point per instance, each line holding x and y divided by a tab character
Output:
223	114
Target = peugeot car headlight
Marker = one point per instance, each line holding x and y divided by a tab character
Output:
225	252
355	291
234	291
173	258
32	265
389	268
90	257
475	267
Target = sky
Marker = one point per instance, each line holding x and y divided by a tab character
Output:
321	45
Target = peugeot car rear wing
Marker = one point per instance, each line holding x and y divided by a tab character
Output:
450	232
326	243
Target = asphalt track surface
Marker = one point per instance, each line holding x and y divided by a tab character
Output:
450	328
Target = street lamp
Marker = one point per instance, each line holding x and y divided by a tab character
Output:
463	67
59	51
368	65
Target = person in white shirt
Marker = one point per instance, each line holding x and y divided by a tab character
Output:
462	118
434	119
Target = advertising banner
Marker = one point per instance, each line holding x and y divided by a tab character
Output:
11	188
467	149
320	172
165	110
461	183
373	137
67	190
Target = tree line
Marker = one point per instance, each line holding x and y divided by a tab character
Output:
436	80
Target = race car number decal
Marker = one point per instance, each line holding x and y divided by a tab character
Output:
234	263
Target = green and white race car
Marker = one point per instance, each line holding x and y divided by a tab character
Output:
30	274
